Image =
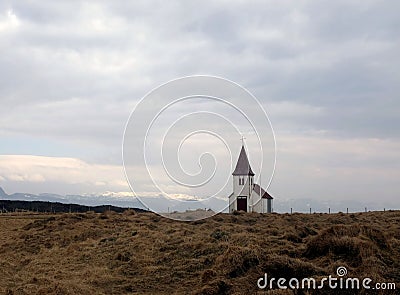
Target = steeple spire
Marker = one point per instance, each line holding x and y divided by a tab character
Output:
243	165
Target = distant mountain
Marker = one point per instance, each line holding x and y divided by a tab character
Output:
2	193
56	203
86	200
155	203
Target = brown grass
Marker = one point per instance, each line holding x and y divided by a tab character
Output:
143	253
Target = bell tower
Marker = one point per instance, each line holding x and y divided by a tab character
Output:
243	182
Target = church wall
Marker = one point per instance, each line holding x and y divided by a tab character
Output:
232	203
242	190
257	203
269	206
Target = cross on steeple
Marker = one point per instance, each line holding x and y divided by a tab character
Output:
242	139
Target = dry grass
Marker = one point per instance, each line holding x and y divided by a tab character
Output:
146	254
190	215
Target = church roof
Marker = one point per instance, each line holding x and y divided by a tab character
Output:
243	165
264	194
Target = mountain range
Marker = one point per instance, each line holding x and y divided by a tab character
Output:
161	204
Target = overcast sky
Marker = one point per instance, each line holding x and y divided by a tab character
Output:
326	72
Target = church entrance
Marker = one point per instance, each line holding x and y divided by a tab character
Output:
242	203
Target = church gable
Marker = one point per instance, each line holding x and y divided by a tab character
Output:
260	191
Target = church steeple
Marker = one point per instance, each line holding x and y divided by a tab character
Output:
243	165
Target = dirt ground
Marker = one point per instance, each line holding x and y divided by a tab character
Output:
142	253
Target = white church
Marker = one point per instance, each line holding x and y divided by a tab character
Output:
247	196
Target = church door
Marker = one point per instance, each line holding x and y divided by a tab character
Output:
242	203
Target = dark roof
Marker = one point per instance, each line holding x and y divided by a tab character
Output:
265	195
243	165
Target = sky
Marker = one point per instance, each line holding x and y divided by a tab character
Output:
326	72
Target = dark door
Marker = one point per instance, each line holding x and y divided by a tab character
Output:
242	204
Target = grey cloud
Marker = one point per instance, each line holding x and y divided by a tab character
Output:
344	20
73	70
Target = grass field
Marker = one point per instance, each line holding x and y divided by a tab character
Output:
142	253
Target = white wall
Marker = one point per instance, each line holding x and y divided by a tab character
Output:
232	203
242	190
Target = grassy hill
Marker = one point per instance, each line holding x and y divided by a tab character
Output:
56	207
142	253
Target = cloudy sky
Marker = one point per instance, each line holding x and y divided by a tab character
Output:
326	72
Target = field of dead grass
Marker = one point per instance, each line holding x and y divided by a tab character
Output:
142	253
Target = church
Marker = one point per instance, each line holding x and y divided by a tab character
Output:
247	196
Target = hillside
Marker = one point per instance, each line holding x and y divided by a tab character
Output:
57	207
142	253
